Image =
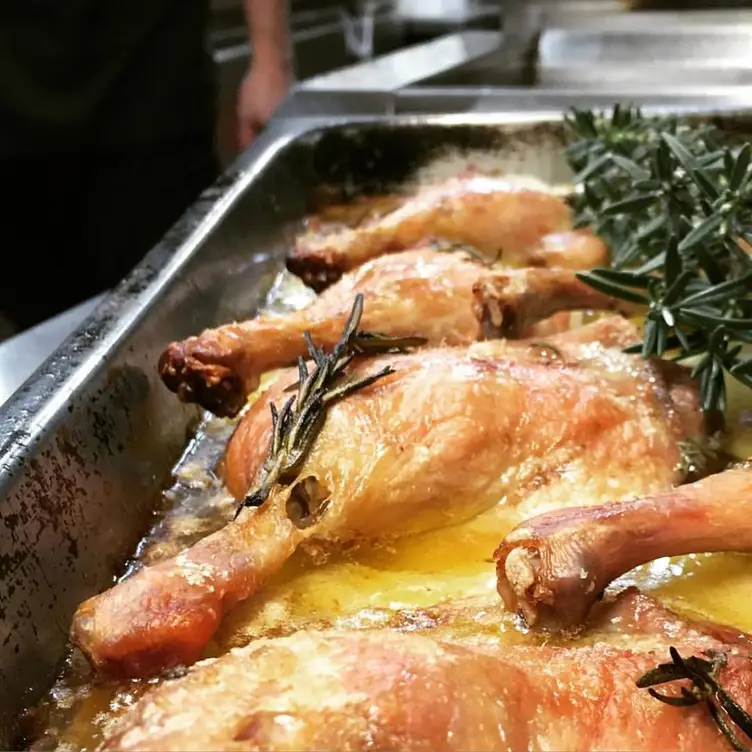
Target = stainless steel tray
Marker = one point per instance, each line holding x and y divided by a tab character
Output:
421	99
87	444
663	56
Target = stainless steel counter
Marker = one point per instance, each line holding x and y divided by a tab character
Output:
659	56
414	64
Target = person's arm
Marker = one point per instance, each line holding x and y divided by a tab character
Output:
271	71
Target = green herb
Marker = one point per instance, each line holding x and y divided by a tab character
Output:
704	687
675	208
296	425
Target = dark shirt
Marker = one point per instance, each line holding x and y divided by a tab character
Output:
91	74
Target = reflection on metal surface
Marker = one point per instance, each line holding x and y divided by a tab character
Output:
437	100
617	78
705	44
605	21
447	99
446	12
360	28
411	65
21	355
578	11
432	9
305	103
521	25
659	57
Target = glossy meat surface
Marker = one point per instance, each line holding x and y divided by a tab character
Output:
553	568
383	690
502	219
451	433
444	297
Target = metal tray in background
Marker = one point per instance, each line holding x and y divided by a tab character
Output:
424	100
656	58
88	443
598	19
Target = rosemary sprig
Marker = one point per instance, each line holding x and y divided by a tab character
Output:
675	207
704	687
296	425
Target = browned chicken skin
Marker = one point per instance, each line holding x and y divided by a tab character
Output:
443	297
451	433
383	690
553	568
571	249
501	218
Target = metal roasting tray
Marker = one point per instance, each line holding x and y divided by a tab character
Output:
663	56
88	442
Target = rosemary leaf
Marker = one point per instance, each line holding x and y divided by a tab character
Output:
740	168
610	288
296	426
628	205
701	232
674	205
704	688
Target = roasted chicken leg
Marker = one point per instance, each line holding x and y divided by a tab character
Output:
553	568
449	434
443	297
389	691
500	218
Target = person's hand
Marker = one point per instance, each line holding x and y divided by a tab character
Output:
261	92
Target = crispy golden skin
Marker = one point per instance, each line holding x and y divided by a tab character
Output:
383	690
451	433
501	218
444	297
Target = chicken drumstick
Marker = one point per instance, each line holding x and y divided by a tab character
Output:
446	436
501	218
553	568
443	297
384	690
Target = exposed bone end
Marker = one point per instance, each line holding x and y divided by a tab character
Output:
214	386
497	318
516	584
317	270
546	580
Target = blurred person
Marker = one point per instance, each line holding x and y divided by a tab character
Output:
107	119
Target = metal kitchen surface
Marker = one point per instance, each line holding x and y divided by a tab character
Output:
687	44
437	100
597	20
703	55
411	65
